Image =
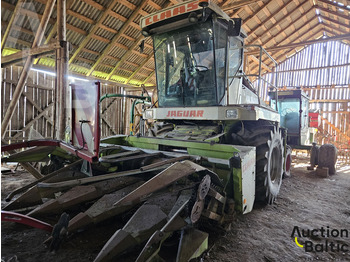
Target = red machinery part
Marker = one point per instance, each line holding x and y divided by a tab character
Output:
26	220
314	119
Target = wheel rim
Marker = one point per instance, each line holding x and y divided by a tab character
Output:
275	166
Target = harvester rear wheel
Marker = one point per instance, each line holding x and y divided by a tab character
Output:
269	156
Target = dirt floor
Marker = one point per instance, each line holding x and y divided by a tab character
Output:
305	201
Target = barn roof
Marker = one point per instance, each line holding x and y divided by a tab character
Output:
105	35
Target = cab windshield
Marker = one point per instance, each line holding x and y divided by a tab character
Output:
185	66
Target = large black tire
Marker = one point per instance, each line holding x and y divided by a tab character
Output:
287	162
269	156
327	157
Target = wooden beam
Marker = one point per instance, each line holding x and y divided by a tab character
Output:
62	57
81	17
256	60
148	77
37	107
29	62
337	14
314	68
34	52
93	30
237	4
334	5
115	38
154	5
118	16
108	125
246	20
15	15
100	38
30	123
94	4
332	21
75	29
102	26
321	40
54	28
296	9
138	69
128	4
14	82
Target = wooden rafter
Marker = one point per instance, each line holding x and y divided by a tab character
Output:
249	18
307	36
31	122
21	55
93	30
139	68
294	41
277	21
333	5
337	14
341	27
295	31
94	4
15	15
28	64
115	38
126	55
237	4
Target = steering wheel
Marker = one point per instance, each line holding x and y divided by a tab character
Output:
201	66
287	111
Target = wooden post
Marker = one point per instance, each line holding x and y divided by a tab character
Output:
29	62
61	68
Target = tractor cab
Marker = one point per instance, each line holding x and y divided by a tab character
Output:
191	53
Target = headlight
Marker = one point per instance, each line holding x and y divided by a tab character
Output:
149	114
232	113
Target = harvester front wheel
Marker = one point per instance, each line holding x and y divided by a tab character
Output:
269	156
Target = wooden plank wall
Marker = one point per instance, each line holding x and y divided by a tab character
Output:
322	70
34	110
33	117
111	111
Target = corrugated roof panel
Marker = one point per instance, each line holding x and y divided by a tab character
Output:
109	61
105	34
103	2
96	45
88	55
74	38
74	21
133	32
135	58
122	10
34	7
117	52
103	68
82	63
113	23
85	10
123	73
137	18
5	15
129	66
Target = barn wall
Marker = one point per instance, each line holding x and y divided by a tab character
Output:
34	113
322	70
35	108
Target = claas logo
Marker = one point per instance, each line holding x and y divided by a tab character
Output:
171	12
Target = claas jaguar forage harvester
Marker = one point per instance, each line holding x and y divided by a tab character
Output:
211	148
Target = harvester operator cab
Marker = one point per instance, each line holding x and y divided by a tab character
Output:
192	60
